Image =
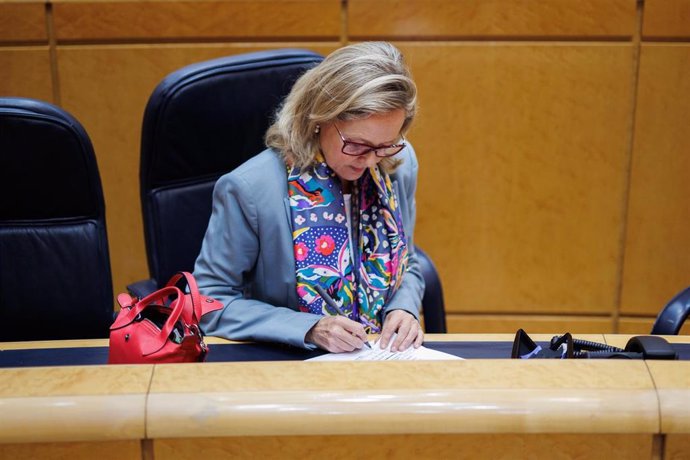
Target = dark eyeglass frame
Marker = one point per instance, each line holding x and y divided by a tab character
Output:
370	148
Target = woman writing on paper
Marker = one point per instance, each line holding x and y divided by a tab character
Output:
324	217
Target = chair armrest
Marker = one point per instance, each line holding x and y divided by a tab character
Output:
673	315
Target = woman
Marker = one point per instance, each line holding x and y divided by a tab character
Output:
310	242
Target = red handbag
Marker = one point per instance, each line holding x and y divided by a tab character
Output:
163	327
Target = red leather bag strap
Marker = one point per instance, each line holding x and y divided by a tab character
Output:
193	314
178	306
127	316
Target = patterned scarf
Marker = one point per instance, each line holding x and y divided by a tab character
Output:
360	283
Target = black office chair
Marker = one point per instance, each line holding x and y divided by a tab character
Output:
55	280
201	122
673	315
433	307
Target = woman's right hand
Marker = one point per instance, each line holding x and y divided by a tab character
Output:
337	334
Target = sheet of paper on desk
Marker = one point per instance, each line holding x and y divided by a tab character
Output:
376	353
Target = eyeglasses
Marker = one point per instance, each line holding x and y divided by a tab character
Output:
357	149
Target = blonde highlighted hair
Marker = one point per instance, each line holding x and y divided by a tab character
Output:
353	82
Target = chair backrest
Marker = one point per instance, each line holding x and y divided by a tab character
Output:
201	122
673	315
433	308
55	280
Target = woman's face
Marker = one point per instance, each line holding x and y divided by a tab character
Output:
375	130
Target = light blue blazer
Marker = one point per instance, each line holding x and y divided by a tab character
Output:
247	259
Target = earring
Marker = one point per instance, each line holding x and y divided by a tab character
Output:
318	129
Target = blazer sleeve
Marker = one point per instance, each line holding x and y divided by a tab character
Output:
226	267
409	295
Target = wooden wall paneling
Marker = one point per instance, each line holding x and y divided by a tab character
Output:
106	450
490	18
523	153
677	447
657	265
635	325
23	22
25	72
107	88
532	324
526	141
666	19
643	325
421	447
179	20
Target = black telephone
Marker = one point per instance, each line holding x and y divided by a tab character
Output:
565	346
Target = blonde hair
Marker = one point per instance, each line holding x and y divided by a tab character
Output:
353	82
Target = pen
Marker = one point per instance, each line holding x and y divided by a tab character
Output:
331	303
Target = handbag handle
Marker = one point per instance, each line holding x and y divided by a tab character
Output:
194	294
177	307
135	306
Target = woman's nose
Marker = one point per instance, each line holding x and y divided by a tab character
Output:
371	159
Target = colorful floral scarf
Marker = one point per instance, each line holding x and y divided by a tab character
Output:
362	284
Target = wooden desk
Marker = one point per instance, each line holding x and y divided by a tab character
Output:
442	409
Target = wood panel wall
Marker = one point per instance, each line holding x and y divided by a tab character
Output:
553	191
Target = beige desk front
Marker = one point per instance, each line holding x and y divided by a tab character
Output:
424	409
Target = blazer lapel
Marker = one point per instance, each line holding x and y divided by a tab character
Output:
288	216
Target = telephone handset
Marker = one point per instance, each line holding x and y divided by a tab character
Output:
651	347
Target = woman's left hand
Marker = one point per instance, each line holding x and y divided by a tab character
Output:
409	332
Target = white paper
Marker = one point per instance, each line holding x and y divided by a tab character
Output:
376	353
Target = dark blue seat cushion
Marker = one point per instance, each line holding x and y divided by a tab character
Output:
52	276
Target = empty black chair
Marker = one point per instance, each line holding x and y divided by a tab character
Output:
201	122
55	280
673	315
433	307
